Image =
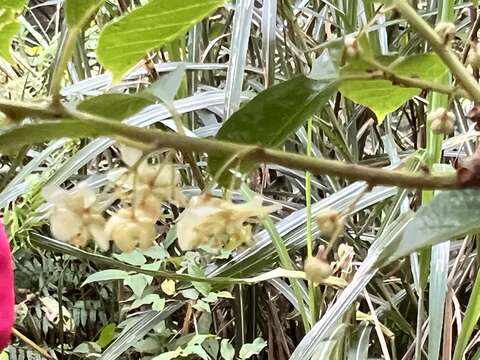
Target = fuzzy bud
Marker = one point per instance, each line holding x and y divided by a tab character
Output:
345	256
128	233
446	30
328	222
441	121
352	48
316	270
473	56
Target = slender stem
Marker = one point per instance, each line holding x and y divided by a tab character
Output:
434	155
65	55
354	172
388	73
407	82
308	203
32	344
189	157
449	58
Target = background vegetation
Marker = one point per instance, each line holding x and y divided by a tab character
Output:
332	83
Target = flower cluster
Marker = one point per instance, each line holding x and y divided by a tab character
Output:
218	222
78	216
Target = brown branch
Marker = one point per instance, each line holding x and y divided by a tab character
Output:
156	139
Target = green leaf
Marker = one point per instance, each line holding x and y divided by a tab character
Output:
132	258
136	282
156	252
191	294
195	270
381	96
106	275
116	106
227	350
272	116
158	303
166	88
87	348
169	355
46	131
9	27
195	350
15	5
124	42
107	335
248	350
79	12
469	321
449	215
67	249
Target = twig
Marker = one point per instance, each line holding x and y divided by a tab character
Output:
407	82
449	58
30	343
160	139
387	73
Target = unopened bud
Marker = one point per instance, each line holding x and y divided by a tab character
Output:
352	48
441	121
316	270
328	221
473	56
446	30
344	250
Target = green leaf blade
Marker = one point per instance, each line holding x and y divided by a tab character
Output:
16	5
9	26
116	106
255	348
79	12
106	275
124	42
470	321
273	115
449	215
8	30
381	96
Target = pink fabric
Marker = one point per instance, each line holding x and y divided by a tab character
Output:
7	292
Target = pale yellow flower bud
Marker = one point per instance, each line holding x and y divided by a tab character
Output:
446	30
473	56
441	121
74	217
344	250
147	206
316	270
329	222
130	156
128	233
352	48
162	180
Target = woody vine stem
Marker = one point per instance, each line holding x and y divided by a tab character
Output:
154	139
